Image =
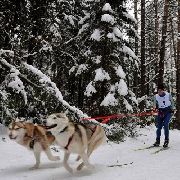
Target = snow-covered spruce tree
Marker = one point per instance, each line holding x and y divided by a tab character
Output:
105	57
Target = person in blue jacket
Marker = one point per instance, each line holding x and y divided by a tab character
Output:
164	103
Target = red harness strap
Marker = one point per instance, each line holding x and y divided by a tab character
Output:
69	141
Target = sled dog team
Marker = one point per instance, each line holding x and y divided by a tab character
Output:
71	137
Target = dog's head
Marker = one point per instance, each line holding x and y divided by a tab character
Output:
16	130
57	121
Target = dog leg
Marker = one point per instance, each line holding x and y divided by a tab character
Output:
66	165
37	155
78	158
91	148
94	146
50	156
85	162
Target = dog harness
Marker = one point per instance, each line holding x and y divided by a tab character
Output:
63	130
69	141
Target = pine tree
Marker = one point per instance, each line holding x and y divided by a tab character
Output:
104	57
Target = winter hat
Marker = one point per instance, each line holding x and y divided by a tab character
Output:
161	86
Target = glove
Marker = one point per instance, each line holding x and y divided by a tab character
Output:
154	110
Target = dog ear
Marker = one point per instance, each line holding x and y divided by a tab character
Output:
58	115
13	120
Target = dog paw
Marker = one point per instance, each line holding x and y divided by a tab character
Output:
80	167
90	166
34	167
70	170
55	158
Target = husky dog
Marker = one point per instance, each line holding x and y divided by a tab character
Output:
75	138
33	137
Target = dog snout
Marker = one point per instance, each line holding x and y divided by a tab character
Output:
44	122
10	135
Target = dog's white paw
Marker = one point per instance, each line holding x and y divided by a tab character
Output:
36	166
90	166
55	158
70	170
80	166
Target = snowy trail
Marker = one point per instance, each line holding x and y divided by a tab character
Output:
15	161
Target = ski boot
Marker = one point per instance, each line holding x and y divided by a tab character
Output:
166	142
157	143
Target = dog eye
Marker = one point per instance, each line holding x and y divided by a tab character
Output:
54	118
16	129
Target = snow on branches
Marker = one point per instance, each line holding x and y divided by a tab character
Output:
13	81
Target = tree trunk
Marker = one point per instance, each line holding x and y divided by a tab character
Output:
135	81
163	42
143	67
156	39
177	122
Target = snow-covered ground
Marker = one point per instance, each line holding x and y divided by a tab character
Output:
15	161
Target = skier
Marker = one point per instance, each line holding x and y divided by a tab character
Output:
164	103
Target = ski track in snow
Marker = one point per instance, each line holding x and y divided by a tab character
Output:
15	161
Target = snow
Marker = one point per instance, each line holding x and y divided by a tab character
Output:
83	28
54	28
97	59
120	72
3	94
82	20
108	18
72	69
91	0
109	100
81	68
127	105
130	17
122	87
70	18
112	36
128	51
117	32
16	83
107	7
3	51
46	47
141	165
90	89
133	97
101	75
96	35
46	80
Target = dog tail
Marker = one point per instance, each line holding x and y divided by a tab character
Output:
84	136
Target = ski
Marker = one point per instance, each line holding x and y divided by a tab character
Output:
159	150
148	147
120	165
